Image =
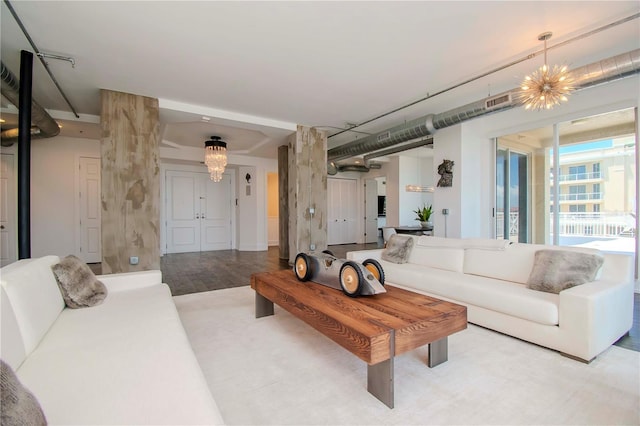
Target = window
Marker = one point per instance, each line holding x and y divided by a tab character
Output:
577	208
577	172
596	195
596	208
577	192
596	170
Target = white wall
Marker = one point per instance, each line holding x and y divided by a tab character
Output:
54	222
447	145
413	171
252	228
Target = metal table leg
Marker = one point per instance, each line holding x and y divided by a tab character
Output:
264	306
438	352
380	377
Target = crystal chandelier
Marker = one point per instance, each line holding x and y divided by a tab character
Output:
546	87
215	157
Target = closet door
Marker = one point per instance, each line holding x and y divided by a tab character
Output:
333	211
183	211
342	207
215	217
349	196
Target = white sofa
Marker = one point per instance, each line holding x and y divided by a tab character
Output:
489	277
125	361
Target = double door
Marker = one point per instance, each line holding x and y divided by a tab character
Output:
198	212
342	224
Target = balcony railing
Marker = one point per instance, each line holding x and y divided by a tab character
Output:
580	176
582	196
580	224
575	177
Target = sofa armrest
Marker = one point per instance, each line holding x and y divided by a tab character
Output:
360	255
601	311
131	280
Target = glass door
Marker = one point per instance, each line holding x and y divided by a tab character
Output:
512	194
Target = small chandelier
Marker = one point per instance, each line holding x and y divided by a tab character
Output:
215	157
546	87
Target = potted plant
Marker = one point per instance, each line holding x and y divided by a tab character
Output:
424	216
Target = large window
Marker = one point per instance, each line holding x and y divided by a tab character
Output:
573	183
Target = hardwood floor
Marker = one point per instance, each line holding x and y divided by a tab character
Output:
195	272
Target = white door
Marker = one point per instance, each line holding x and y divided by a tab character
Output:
371	211
7	211
215	213
349	197
198	212
89	249
333	212
342	220
183	211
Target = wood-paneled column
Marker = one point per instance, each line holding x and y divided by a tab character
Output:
130	182
307	191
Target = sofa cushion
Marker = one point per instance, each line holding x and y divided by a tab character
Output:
501	296
398	248
557	270
514	263
19	406
463	243
78	284
450	259
35	299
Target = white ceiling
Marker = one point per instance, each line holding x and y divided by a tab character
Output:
256	69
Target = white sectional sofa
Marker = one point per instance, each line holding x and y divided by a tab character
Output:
125	361
490	276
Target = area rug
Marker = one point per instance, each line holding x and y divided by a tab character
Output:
278	370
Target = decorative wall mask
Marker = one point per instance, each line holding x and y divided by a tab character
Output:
445	170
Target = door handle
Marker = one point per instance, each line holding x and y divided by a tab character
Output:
197	216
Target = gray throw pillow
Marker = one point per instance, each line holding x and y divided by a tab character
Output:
78	284
19	406
557	270
398	249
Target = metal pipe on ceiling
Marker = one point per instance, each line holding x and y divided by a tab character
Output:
493	71
40	56
601	72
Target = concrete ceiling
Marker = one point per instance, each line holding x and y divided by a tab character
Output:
251	71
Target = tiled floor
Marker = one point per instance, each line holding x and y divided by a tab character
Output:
195	272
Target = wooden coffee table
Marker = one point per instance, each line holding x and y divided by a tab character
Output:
374	328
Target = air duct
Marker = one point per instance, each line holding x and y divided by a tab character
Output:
605	71
333	168
44	126
399	148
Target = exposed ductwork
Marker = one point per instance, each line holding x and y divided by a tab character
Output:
333	168
605	71
44	126
428	141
